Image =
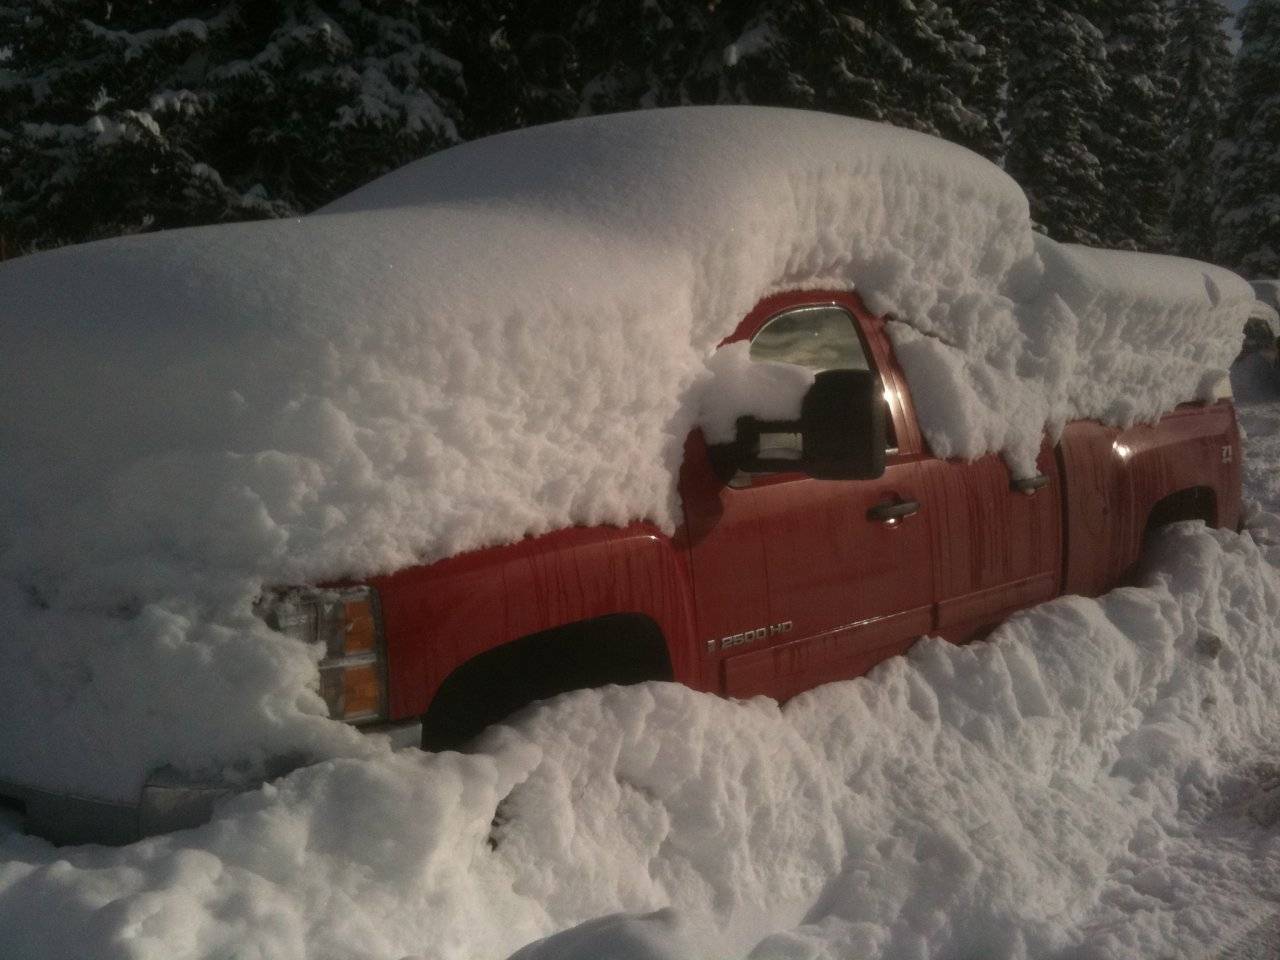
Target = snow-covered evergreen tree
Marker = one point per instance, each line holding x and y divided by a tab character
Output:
130	115
1134	125
87	157
519	62
1057	86
985	20
907	62
11	18
322	98
533	61
1200	64
637	54
1247	218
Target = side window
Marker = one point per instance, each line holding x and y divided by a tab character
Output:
821	337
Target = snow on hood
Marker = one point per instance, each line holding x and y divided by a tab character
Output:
502	339
1255	381
1080	786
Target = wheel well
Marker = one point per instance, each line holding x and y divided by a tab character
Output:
1193	503
620	648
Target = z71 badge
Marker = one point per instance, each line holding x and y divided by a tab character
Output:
749	636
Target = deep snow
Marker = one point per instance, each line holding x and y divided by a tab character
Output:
1099	780
1256	379
502	339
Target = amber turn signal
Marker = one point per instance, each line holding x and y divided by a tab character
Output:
360	633
346	621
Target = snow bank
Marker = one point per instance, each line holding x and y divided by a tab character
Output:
1088	334
1267	291
740	386
1255	380
505	338
1083	786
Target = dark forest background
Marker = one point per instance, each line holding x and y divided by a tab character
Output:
1130	123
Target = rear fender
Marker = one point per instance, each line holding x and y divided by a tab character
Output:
1115	479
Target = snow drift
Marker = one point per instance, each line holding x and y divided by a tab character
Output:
502	339
1256	382
1083	786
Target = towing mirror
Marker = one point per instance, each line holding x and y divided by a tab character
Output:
840	434
843	424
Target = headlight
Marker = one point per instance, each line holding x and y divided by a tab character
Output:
353	673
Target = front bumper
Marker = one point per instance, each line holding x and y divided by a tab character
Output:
168	802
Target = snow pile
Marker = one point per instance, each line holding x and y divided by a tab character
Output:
1255	380
1106	335
1085	785
502	339
740	386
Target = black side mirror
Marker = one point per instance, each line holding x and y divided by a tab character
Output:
842	422
840	434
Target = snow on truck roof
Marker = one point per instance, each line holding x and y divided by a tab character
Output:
505	338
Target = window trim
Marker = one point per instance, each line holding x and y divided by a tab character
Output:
867	354
912	444
826	305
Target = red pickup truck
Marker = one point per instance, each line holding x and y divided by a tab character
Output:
810	551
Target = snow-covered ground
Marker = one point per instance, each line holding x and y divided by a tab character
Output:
1256	380
1099	780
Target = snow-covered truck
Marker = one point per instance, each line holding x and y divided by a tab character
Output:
810	550
746	399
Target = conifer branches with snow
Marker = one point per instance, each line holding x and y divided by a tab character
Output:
1057	87
123	117
1247	218
1200	64
984	20
131	116
1135	124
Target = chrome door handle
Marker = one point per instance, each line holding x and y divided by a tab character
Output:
889	512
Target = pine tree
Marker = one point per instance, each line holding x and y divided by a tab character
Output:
86	156
312	101
637	54
519	62
906	62
1200	64
131	115
12	16
986	21
1134	125
1057	85
1247	219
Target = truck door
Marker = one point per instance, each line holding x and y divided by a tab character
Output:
997	541
836	575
